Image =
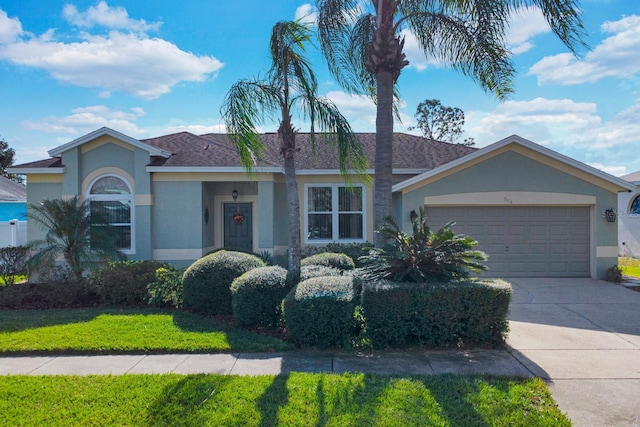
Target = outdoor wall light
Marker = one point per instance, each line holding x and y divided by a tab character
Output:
609	215
413	215
234	194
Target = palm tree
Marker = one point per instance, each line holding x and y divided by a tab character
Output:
363	43
290	85
76	234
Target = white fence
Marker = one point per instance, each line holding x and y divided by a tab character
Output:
13	233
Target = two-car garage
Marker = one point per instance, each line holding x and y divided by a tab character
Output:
524	241
535	212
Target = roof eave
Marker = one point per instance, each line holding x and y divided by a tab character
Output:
27	171
153	151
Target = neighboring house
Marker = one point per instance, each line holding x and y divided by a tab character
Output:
177	197
629	218
13	213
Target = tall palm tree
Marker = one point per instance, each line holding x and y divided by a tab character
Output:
363	43
289	86
73	232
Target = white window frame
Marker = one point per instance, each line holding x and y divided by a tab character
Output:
335	213
116	197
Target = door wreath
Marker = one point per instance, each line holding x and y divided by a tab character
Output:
238	218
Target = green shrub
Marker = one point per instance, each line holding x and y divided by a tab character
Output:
320	311
206	282
424	256
256	296
54	294
614	274
330	259
124	282
309	271
166	290
352	250
13	262
469	312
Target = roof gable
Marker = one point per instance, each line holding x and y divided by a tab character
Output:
153	151
11	191
513	142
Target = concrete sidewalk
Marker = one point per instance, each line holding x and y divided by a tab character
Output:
494	362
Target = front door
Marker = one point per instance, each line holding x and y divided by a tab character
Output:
238	226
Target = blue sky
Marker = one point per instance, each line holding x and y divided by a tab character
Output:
154	68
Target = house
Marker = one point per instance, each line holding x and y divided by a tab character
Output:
13	213
629	218
177	197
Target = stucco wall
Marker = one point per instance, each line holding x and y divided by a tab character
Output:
628	226
528	180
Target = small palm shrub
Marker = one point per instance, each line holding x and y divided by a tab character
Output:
320	311
330	259
206	283
424	256
166	290
256	296
124	282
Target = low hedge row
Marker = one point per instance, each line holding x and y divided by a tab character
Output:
124	282
472	312
319	311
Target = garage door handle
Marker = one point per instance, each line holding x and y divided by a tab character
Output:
506	248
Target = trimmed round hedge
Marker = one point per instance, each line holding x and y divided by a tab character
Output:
330	259
320	311
309	271
206	282
256	296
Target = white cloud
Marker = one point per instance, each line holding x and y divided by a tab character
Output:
125	62
566	126
613	170
103	15
87	119
306	14
10	28
358	109
616	56
525	24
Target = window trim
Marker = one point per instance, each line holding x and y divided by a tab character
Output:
631	202
334	214
111	197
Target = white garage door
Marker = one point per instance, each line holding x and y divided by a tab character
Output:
524	241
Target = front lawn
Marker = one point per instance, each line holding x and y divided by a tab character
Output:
104	330
296	399
630	266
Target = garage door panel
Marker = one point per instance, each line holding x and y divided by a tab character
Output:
521	241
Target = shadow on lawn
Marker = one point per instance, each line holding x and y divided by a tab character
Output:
320	399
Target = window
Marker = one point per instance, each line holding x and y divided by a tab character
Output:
635	206
334	213
110	197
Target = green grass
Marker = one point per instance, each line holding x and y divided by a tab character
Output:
100	330
17	279
630	266
287	400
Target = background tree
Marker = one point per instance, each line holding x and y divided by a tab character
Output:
81	237
439	122
289	86
363	45
7	157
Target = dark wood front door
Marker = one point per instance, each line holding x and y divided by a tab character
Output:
238	229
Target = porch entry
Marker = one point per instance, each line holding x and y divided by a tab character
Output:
238	223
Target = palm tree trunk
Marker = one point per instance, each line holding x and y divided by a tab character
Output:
384	150
293	202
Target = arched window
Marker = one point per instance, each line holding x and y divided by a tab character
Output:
634	209
110	196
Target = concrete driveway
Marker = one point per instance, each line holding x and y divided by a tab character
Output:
583	337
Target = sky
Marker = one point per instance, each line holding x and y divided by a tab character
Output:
154	68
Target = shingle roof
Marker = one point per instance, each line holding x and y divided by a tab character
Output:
12	191
410	151
632	177
212	150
